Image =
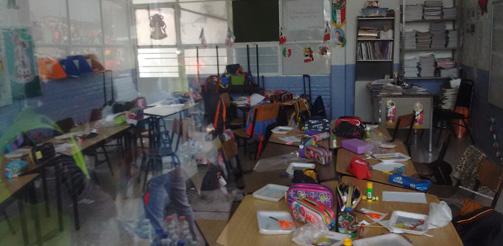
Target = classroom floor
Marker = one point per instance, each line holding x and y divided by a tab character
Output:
110	208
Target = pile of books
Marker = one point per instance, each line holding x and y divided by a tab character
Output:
427	65
368	32
423	40
410	39
447	68
452	39
410	69
369	50
413	12
432	10
449	13
437	30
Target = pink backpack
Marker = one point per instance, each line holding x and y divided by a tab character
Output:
316	192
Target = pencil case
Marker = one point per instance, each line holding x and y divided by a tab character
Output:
309	211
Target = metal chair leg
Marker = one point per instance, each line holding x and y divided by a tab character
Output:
107	160
9	223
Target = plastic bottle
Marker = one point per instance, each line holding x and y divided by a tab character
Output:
348	242
370	190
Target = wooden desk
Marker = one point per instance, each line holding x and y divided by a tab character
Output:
446	235
11	187
242	228
276	138
344	157
161	110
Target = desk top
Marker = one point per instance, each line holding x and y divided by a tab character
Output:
277	138
344	158
104	133
242	228
10	187
161	110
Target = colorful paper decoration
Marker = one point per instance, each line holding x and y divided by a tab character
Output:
282	37
202	38
308	55
326	34
157	27
483	6
287	52
338	13
390	111
418	114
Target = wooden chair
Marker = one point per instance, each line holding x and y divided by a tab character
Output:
231	157
262	116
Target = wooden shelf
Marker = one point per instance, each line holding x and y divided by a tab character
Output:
428	21
374	39
379	60
429	49
375	18
427	78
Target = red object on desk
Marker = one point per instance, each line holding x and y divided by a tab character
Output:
359	168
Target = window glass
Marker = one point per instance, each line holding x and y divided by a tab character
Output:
49	21
158	62
115	22
85	26
207	60
210	15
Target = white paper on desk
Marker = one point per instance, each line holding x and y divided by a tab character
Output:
387	166
290	139
409	197
63	148
256	99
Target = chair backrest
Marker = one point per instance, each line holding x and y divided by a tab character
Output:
65	124
467	166
404	121
262	116
464	97
490	175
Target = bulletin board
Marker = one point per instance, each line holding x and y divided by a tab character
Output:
496	73
303	23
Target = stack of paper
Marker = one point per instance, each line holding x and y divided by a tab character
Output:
410	68
432	10
445	63
449	13
423	40
452	38
427	64
413	12
410	39
449	73
437	30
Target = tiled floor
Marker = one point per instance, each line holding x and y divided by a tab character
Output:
110	207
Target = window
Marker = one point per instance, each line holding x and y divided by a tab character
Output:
61	28
168	33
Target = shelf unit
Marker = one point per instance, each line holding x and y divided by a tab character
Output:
454	50
374	56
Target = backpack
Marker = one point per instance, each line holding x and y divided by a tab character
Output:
318	108
349	127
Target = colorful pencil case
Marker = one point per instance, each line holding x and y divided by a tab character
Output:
310	211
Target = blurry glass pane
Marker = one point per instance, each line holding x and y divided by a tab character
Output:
115	22
118	58
88	50
152	1
161	32
49	21
210	15
268	59
85	22
207	60
50	52
158	62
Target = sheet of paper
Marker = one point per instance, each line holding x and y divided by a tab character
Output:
409	197
387	166
290	139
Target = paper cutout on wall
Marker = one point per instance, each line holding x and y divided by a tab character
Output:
287	52
390	111
229	40
483	6
308	55
157	27
338	13
323	50
21	64
419	114
339	38
326	34
202	38
282	37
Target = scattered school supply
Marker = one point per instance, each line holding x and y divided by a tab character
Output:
409	182
359	168
392	157
373	215
348	197
310	211
299	166
407	222
355	145
387	167
275	222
